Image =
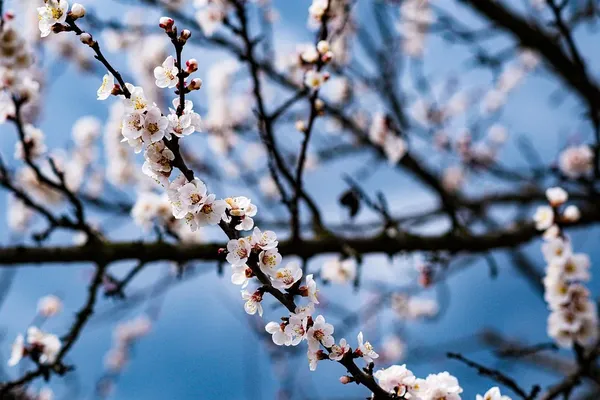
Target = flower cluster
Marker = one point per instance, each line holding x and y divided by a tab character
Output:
573	317
400	381
314	58
41	347
260	250
18	77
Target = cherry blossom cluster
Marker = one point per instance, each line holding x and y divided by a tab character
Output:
303	325
573	316
314	58
401	382
41	347
18	76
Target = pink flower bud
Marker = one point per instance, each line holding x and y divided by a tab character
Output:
344	380
86	38
166	23
77	11
192	65
195	84
185	35
327	57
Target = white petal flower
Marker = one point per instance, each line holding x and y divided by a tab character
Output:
17	351
240	275
365	350
397	379
576	161
238	251
311	289
320	334
49	344
155	126
296	328
314	79
193	196
557	196
49	306
280	337
557	250
264	240
543	217
338	351
212	211
137	102
166	75
492	394
572	213
106	88
285	277
442	386
242	208
268	260
252	305
53	12
133	126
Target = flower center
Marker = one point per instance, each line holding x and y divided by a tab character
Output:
153	127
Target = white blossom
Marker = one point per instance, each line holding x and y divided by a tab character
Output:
53	12
252	305
49	344
166	74
320	334
242	208
543	217
576	161
49	306
155	126
557	196
338	351
238	251
137	102
365	350
268	260
17	351
396	379
492	394
311	289
279	335
106	88
285	277
211	211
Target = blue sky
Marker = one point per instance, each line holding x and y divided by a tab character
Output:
202	346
